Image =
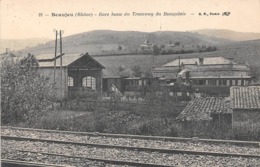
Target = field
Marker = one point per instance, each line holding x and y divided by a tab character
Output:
104	42
242	52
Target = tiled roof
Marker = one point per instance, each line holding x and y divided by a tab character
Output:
245	97
202	108
206	61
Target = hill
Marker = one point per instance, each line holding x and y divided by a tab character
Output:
227	34
242	52
17	44
105	42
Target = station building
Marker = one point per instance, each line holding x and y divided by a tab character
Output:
205	73
74	75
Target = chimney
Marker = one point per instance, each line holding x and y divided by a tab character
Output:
201	60
6	50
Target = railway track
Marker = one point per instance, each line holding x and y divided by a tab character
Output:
80	150
163	138
15	163
148	149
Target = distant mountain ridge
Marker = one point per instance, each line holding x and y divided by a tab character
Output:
105	42
17	44
228	34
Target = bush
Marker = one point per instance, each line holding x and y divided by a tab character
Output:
24	92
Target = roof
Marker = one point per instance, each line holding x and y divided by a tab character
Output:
112	77
221	77
9	54
148	42
47	57
66	60
47	60
133	78
202	108
245	97
194	61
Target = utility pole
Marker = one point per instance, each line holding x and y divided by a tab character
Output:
61	32
179	63
55	55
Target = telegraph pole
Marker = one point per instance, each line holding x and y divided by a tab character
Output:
179	63
55	54
61	32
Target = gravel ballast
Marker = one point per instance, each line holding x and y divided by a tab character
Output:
126	155
184	145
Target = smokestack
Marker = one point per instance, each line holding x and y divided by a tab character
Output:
201	61
6	50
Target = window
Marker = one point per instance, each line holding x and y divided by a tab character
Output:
246	82
202	82
239	82
89	82
144	82
206	82
70	81
228	83
135	82
223	82
212	82
139	82
234	82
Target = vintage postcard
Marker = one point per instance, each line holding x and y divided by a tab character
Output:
130	83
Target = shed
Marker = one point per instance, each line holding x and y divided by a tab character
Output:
245	103
205	117
74	76
216	109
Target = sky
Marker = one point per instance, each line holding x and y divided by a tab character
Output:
21	18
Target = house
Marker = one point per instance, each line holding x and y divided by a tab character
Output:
146	46
207	74
205	117
74	75
215	109
245	103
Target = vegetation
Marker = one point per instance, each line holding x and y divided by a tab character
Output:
177	49
137	71
106	42
24	92
242	52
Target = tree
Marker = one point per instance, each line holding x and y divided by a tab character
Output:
24	92
119	48
156	50
162	47
137	71
121	68
177	43
124	72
